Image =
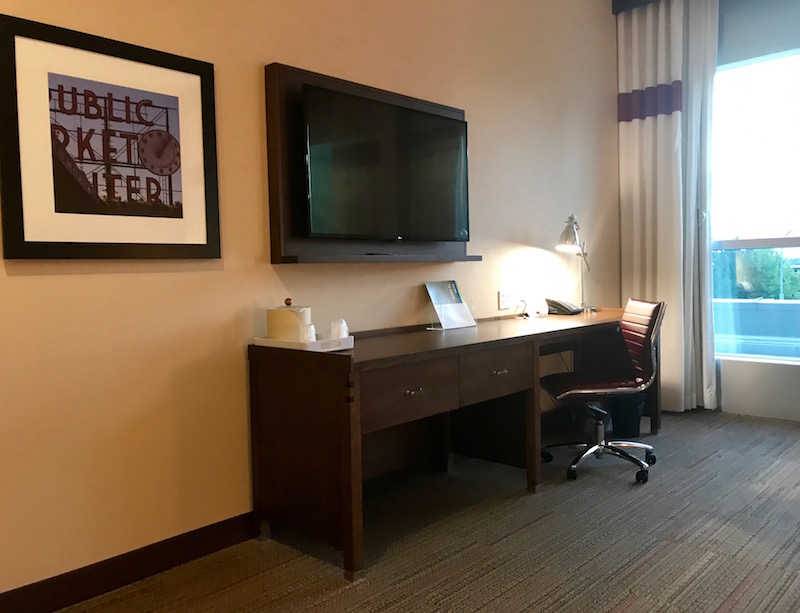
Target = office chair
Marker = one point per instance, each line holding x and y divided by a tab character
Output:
639	328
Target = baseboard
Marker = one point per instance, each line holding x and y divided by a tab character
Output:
84	583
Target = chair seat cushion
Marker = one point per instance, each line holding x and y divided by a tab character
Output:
565	384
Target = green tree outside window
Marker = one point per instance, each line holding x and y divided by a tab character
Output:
754	273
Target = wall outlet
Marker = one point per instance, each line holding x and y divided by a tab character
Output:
503	301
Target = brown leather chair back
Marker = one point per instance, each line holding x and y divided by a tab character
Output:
640	323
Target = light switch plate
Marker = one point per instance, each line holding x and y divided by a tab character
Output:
503	301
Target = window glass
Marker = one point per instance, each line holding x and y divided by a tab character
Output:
757	303
755	154
757	274
755	198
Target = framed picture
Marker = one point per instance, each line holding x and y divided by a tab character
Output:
107	150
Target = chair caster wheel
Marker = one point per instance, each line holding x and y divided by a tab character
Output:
641	476
547	456
572	474
650	458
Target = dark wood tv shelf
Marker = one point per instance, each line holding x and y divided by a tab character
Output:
289	240
383	257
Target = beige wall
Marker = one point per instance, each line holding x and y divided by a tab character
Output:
123	385
759	388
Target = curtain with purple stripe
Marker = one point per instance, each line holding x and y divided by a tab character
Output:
661	99
649	58
651	49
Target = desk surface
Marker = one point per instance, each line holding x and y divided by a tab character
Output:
383	350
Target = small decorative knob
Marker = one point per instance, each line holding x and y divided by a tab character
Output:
288	302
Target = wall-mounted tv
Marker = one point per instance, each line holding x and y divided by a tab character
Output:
388	173
382	171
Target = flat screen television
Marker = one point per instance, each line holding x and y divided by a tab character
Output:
380	171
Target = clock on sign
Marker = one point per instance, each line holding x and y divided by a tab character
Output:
160	152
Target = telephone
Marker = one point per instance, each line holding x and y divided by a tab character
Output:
562	307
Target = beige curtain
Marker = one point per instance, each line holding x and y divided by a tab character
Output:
700	53
651	50
650	58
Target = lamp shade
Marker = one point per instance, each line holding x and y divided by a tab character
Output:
569	241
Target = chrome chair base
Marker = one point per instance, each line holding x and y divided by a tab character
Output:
602	447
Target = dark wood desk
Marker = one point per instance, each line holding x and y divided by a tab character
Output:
314	414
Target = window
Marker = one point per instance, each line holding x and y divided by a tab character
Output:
755	208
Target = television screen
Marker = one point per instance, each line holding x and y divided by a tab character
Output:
382	171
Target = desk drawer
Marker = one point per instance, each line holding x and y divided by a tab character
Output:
492	373
406	392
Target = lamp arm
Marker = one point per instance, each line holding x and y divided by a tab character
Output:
583	257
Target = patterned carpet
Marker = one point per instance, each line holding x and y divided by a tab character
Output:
716	528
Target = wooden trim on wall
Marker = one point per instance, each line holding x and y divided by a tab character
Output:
90	581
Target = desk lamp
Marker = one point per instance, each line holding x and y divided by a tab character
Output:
570	242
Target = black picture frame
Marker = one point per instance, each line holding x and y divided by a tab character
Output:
54	206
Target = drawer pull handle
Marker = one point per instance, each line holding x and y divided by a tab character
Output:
414	392
497	373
